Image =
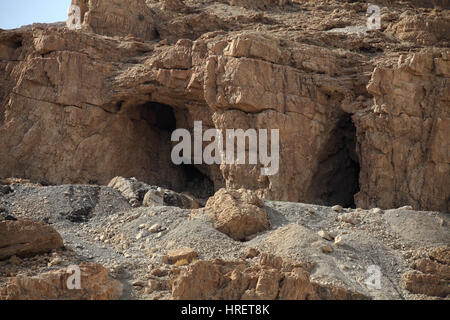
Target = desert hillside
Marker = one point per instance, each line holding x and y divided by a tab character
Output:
361	187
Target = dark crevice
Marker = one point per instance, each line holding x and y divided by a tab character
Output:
197	183
184	177
337	179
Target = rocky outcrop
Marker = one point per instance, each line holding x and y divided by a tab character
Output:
237	213
26	238
160	250
139	193
423	29
89	105
95	285
117	18
177	255
431	275
257	4
269	279
403	138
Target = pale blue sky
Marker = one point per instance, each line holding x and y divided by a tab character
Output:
16	13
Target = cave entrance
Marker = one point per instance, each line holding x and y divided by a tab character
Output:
337	179
179	178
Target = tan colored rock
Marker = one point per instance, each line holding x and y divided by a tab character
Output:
251	253
175	255
408	117
271	278
326	248
338	241
423	29
325	235
441	254
432	267
95	285
431	276
153	198
429	284
348	217
86	106
139	193
131	189
237	213
173	5
26	238
117	18
257	4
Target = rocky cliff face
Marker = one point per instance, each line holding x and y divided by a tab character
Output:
363	115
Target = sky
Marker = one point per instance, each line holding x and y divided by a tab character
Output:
17	13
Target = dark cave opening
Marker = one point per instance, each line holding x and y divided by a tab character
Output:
185	177
337	180
197	183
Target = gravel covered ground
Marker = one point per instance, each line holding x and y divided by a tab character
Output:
98	224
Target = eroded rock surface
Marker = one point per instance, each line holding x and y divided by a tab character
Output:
269	279
237	213
363	117
53	285
85	106
26	238
165	252
400	139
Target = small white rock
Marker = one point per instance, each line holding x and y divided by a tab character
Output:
337	208
56	261
338	241
348	218
141	235
155	228
324	235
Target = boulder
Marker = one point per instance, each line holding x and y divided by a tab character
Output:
53	285
237	213
430	275
117	18
175	255
26	238
270	278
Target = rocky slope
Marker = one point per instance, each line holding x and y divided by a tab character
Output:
363	115
299	251
364	120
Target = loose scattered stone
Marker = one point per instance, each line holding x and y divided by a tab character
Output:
155	228
377	211
325	235
326	249
180	254
251	253
152	286
141	235
338	241
348	218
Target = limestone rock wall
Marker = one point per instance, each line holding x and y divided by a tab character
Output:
84	106
404	139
